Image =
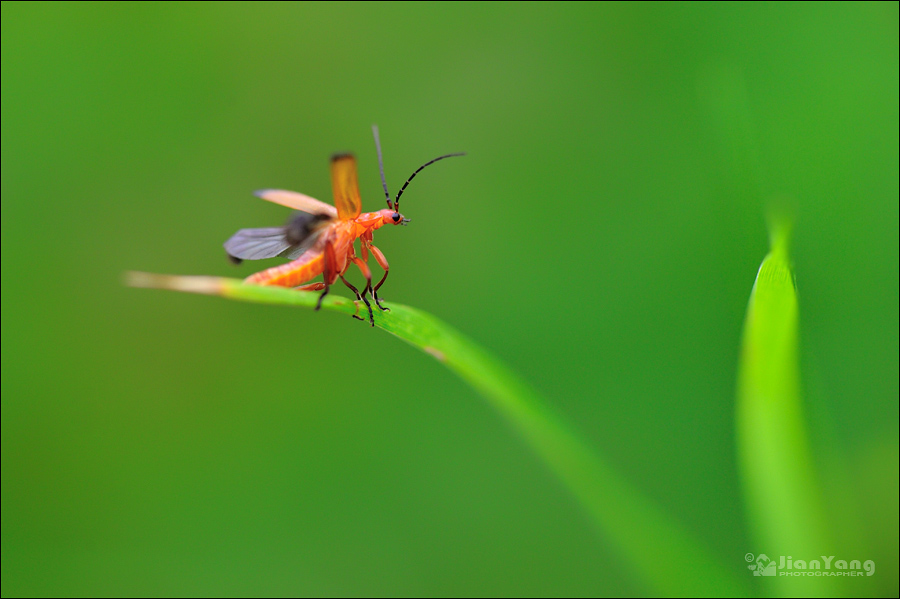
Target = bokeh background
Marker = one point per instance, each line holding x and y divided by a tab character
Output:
601	237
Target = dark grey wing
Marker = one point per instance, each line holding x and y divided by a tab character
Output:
295	251
289	241
303	225
256	244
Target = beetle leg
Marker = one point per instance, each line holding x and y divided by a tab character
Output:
356	314
321	297
329	270
358	297
364	268
383	263
311	287
363	251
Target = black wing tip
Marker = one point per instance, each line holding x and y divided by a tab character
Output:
234	259
342	156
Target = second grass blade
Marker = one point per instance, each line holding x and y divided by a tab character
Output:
780	490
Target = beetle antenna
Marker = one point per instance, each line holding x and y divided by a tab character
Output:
387	195
412	176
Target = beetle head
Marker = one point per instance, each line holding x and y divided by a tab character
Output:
392	217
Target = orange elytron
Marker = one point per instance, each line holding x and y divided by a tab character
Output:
319	240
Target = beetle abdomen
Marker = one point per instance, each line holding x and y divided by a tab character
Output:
303	269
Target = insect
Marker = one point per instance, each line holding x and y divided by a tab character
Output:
319	240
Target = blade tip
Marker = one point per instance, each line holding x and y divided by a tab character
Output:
147	280
133	278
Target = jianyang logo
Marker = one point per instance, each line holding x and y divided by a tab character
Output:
762	565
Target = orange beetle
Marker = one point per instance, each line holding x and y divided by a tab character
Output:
319	240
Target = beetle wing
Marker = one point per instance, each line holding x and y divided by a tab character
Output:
256	244
345	186
297	201
295	251
268	242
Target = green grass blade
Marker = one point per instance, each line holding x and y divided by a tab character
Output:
662	555
781	494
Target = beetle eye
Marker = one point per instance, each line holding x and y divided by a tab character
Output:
396	217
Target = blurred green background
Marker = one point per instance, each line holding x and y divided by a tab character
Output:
601	237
